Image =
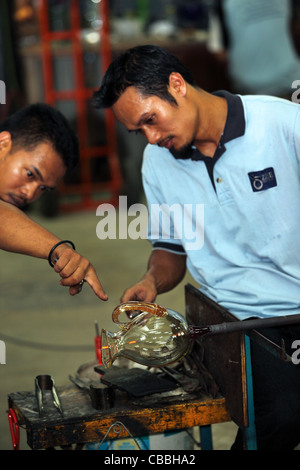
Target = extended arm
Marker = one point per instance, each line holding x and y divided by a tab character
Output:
20	234
165	271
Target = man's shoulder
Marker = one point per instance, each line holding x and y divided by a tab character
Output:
154	154
268	101
264	108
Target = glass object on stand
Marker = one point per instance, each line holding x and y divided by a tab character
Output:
155	336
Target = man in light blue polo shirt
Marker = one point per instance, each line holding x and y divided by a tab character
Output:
251	216
238	159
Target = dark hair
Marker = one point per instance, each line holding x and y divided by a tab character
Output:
39	123
147	68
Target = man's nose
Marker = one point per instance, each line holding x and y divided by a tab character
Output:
29	191
152	135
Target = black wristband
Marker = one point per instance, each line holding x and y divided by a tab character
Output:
55	246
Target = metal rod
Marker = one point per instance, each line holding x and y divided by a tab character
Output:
244	325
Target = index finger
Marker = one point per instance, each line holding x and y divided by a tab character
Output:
92	279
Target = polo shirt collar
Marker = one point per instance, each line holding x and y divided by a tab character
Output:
235	122
234	126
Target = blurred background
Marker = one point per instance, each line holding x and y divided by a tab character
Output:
56	51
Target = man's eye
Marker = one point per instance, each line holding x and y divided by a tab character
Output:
29	173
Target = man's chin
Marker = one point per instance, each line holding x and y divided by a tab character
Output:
183	153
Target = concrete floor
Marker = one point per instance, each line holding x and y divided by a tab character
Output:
37	310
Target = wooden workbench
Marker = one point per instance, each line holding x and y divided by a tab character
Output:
82	423
227	358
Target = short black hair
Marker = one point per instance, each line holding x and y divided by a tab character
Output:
147	68
38	123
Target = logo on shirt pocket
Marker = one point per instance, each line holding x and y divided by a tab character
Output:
261	180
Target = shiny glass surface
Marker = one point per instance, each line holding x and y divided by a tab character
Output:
154	337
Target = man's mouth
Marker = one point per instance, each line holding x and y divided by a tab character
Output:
16	201
167	143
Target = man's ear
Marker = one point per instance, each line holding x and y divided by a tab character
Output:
5	142
177	84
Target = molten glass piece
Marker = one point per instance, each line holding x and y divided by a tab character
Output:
154	337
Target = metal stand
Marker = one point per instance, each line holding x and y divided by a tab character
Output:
250	431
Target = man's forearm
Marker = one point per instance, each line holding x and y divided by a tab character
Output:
166	270
20	234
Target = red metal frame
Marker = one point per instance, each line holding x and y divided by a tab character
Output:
14	429
80	95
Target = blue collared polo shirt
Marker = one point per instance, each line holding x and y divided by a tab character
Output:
239	223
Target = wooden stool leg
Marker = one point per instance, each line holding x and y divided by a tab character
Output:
206	437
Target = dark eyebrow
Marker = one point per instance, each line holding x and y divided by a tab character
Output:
142	119
37	171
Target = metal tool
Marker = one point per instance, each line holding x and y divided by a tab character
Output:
245	325
42	383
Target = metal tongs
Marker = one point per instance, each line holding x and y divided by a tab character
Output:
46	382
